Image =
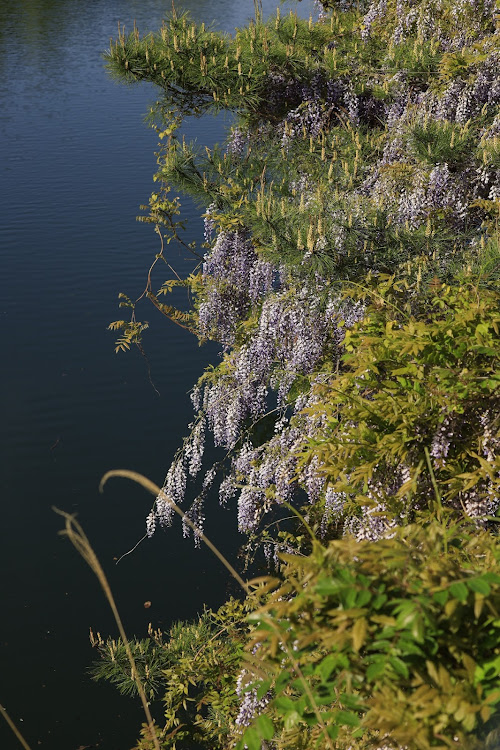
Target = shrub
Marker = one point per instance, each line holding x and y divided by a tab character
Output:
396	641
415	409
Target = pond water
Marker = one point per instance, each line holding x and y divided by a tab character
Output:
77	161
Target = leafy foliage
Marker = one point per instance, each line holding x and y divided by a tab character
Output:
398	640
411	383
350	273
131	329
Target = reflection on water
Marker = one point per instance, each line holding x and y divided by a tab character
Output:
77	162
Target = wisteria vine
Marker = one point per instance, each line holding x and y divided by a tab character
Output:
356	155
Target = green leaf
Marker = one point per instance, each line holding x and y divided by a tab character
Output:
263	688
379	601
252	739
459	591
333	731
347	718
417	629
363	597
292	718
283	680
326	666
441	597
349	700
488	669
491	577
399	666
328	587
375	670
479	585
265	727
406	613
284	703
380	645
408	646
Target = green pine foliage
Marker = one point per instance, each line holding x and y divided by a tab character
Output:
201	70
192	669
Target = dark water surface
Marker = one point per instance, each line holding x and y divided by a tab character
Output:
77	161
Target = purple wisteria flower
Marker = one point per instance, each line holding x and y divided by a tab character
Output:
334	508
374	524
235	278
209	224
376	10
162	514
250	705
237	142
195	446
441	443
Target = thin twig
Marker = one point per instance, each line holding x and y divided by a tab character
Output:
159	256
16	731
439	503
131	550
160	307
148	367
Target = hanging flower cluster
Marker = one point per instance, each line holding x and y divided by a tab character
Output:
235	278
